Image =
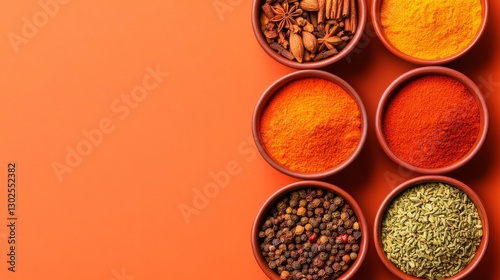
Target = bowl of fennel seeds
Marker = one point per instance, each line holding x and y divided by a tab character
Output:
431	227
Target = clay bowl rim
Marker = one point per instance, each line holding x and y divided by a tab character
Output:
269	94
481	251
423	71
379	30
362	18
270	201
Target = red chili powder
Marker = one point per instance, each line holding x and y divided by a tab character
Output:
311	125
431	122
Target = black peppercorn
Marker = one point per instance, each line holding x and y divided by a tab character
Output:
338	201
303	237
269	232
319	192
336	266
333	207
322	226
318	263
341	229
348	224
298	237
355	247
347	247
296	265
319	212
272	264
302	193
326	204
281	206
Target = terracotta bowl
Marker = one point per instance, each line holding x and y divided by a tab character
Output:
423	71
375	17
271	91
273	199
362	16
427	179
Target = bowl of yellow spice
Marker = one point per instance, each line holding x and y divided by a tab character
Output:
309	124
431	227
429	32
308	34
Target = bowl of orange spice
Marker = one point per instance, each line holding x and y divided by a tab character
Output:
432	120
429	32
309	124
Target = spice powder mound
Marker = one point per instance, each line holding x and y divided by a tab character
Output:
431	29
432	121
311	125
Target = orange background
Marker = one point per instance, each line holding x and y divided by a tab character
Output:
117	215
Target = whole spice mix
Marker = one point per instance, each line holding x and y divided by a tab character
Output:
431	122
432	231
311	125
308	30
310	233
430	29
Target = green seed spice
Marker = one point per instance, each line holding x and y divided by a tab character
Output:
431	231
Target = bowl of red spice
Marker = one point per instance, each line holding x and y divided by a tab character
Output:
431	227
429	32
310	230
308	34
432	120
309	124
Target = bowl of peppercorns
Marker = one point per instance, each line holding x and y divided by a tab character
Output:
310	230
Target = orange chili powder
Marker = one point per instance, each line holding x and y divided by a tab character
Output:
431	122
311	125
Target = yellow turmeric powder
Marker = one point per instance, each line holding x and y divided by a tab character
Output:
431	29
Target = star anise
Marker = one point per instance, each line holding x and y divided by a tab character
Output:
330	40
285	14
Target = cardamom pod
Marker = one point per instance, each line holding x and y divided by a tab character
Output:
297	46
309	5
308	27
310	41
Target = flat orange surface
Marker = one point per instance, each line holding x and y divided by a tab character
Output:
118	114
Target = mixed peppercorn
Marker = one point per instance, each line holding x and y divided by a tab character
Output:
310	233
